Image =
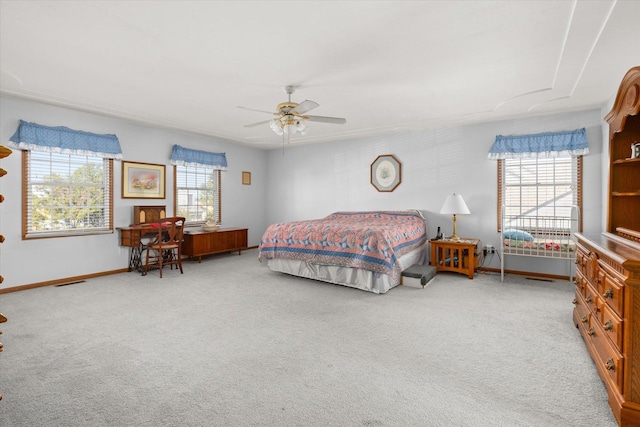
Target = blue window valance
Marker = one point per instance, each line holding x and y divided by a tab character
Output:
549	144
61	139
188	157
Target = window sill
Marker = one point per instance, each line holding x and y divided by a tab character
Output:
63	233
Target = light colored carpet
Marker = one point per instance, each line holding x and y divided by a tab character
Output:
230	343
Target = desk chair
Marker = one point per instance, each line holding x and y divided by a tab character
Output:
166	248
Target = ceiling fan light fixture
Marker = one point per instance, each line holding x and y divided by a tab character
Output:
290	129
300	125
276	126
289	124
290	117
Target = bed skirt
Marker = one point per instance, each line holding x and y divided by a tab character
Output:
358	278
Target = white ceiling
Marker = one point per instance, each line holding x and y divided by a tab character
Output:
385	66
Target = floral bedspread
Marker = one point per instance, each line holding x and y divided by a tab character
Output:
369	240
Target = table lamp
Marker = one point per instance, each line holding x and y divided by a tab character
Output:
454	205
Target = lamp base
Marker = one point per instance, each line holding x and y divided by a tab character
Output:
454	236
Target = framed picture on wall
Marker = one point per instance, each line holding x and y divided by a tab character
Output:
246	178
386	173
143	181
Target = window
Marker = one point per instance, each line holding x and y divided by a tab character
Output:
197	193
540	187
67	180
197	188
66	194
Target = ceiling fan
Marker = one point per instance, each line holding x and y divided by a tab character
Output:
290	117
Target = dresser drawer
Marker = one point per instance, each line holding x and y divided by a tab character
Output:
609	360
580	282
593	301
612	293
581	255
581	313
600	281
590	268
612	326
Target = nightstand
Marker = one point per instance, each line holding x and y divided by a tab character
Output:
459	256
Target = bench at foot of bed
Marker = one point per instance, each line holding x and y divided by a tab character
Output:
425	273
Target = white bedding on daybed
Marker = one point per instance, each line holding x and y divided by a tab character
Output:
347	276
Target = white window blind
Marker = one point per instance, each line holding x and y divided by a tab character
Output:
67	194
540	187
198	191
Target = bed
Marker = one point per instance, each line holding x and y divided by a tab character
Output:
363	250
539	236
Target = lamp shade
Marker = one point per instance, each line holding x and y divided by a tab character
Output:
454	205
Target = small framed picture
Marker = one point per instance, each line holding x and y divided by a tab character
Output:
246	178
635	150
386	173
143	181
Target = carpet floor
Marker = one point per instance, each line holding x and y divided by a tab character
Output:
230	343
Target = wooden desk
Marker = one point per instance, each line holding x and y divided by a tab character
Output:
131	237
458	256
198	242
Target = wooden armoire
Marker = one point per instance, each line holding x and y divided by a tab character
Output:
607	301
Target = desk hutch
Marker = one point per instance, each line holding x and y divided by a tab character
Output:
607	294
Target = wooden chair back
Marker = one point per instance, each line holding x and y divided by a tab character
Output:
170	232
166	248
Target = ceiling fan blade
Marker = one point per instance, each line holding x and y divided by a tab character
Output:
259	111
305	106
257	123
335	120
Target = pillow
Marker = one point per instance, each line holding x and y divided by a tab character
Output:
514	234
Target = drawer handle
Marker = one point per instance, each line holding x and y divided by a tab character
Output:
585	319
576	261
611	365
608	293
575	301
576	281
589	299
592	331
608	325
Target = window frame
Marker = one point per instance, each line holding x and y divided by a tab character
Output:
579	186
30	234
218	199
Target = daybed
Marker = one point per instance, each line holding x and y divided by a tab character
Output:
539	236
363	250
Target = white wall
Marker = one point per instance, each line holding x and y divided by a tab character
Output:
604	162
313	181
305	182
24	262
